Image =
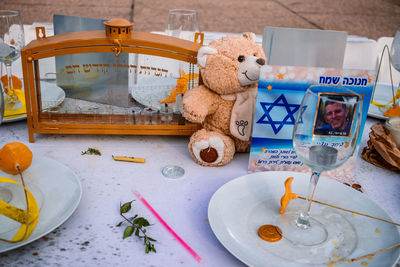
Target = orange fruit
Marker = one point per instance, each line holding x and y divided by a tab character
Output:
17	83
14	155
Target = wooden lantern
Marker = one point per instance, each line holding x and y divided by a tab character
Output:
118	39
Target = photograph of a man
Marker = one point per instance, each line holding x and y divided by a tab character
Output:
334	118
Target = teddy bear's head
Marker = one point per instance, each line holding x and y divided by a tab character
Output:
232	64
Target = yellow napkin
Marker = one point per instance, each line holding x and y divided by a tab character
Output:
12	96
19	215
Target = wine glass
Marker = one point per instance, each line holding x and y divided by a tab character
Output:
11	41
182	23
395	54
2	106
395	50
325	135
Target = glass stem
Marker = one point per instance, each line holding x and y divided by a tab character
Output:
2	105
395	94
9	78
304	219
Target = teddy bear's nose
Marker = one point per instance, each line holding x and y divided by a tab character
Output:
260	61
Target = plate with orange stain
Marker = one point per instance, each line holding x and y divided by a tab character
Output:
57	191
239	208
383	94
52	96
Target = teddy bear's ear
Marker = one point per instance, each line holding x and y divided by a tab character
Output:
249	35
204	51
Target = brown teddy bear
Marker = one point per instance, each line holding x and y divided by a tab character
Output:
224	104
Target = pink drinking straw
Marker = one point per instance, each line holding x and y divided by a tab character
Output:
194	254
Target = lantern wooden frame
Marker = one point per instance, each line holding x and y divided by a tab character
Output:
98	42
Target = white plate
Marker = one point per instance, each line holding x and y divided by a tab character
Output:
383	94
241	206
151	92
61	191
52	96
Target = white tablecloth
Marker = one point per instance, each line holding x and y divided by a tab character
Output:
89	237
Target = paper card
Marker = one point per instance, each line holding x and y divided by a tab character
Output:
304	47
280	92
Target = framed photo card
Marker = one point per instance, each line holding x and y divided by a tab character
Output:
333	117
280	93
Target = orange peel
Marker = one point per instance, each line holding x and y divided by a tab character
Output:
16	157
16	82
288	196
28	218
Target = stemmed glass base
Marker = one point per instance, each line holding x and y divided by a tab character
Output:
331	237
299	234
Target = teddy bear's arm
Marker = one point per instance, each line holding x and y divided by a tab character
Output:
198	103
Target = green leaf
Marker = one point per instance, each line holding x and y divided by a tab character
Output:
119	224
128	231
137	232
126	207
132	218
141	222
151	239
145	222
138	221
91	151
147	249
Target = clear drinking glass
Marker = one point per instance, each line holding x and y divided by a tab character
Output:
12	40
182	23
2	106
395	50
395	55
324	137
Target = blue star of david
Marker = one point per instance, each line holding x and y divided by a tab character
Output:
289	119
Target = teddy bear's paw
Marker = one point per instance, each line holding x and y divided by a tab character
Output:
209	152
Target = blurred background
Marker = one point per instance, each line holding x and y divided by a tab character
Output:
369	18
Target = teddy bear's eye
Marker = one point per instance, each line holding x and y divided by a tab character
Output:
240	58
254	54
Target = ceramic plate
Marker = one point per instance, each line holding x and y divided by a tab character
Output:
52	96
58	190
383	94
241	206
151	92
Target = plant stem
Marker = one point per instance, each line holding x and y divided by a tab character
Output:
134	225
